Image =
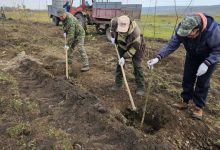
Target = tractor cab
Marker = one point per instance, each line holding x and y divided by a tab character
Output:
82	10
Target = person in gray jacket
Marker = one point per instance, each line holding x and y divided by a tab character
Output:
200	35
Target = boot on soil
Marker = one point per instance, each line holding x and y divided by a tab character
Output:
197	113
85	68
180	105
116	88
140	92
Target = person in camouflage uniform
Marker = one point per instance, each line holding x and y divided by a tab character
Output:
126	34
200	35
75	37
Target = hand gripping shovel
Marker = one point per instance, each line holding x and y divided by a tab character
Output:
66	53
126	83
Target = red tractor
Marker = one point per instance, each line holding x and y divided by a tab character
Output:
82	11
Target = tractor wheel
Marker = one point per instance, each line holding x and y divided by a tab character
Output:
108	34
99	30
56	20
82	21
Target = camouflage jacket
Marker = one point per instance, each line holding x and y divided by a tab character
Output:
130	41
73	29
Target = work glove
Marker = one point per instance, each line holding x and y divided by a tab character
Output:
113	40
152	62
64	34
66	47
202	69
121	61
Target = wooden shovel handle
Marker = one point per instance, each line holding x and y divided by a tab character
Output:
125	80
67	73
67	67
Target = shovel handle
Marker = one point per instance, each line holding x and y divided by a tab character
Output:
126	83
67	73
66	53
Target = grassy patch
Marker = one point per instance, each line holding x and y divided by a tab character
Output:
19	130
63	139
24	105
28	15
17	105
21	135
7	78
160	26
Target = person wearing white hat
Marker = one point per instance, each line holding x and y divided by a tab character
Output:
126	34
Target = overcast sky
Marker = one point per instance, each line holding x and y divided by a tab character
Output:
41	4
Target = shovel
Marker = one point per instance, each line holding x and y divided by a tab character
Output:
66	53
126	83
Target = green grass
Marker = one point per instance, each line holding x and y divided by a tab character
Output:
19	130
24	15
5	77
63	139
160	26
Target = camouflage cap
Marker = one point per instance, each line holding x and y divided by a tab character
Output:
188	24
60	12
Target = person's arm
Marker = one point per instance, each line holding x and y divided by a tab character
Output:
70	30
169	48
214	44
165	51
113	27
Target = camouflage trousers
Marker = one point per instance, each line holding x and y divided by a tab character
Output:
79	45
138	72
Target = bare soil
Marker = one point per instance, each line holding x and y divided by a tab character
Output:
40	109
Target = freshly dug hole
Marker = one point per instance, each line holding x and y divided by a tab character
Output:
158	115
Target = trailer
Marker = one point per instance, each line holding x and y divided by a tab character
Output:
103	12
52	10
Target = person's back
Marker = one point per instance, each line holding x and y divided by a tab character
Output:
72	26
